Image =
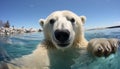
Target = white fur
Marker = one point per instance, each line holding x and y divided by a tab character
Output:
49	54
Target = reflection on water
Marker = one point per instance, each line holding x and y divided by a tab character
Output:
111	62
3	54
108	33
19	45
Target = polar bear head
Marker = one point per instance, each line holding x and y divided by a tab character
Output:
63	28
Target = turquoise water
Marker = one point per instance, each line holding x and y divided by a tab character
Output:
19	45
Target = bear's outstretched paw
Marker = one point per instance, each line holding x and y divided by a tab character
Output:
103	47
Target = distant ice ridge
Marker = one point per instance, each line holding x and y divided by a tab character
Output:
7	31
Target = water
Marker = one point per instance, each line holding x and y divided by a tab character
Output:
20	45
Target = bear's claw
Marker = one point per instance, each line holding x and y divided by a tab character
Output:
103	47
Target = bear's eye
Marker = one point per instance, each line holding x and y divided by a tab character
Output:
72	20
52	21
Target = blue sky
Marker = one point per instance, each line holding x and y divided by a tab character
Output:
26	13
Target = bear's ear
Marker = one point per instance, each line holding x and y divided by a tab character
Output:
83	19
41	22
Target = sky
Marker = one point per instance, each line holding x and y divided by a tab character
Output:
99	13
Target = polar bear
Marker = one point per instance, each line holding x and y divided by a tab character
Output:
63	42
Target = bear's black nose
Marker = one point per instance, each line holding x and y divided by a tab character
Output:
62	35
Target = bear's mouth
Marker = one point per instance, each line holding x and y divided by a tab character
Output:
63	44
